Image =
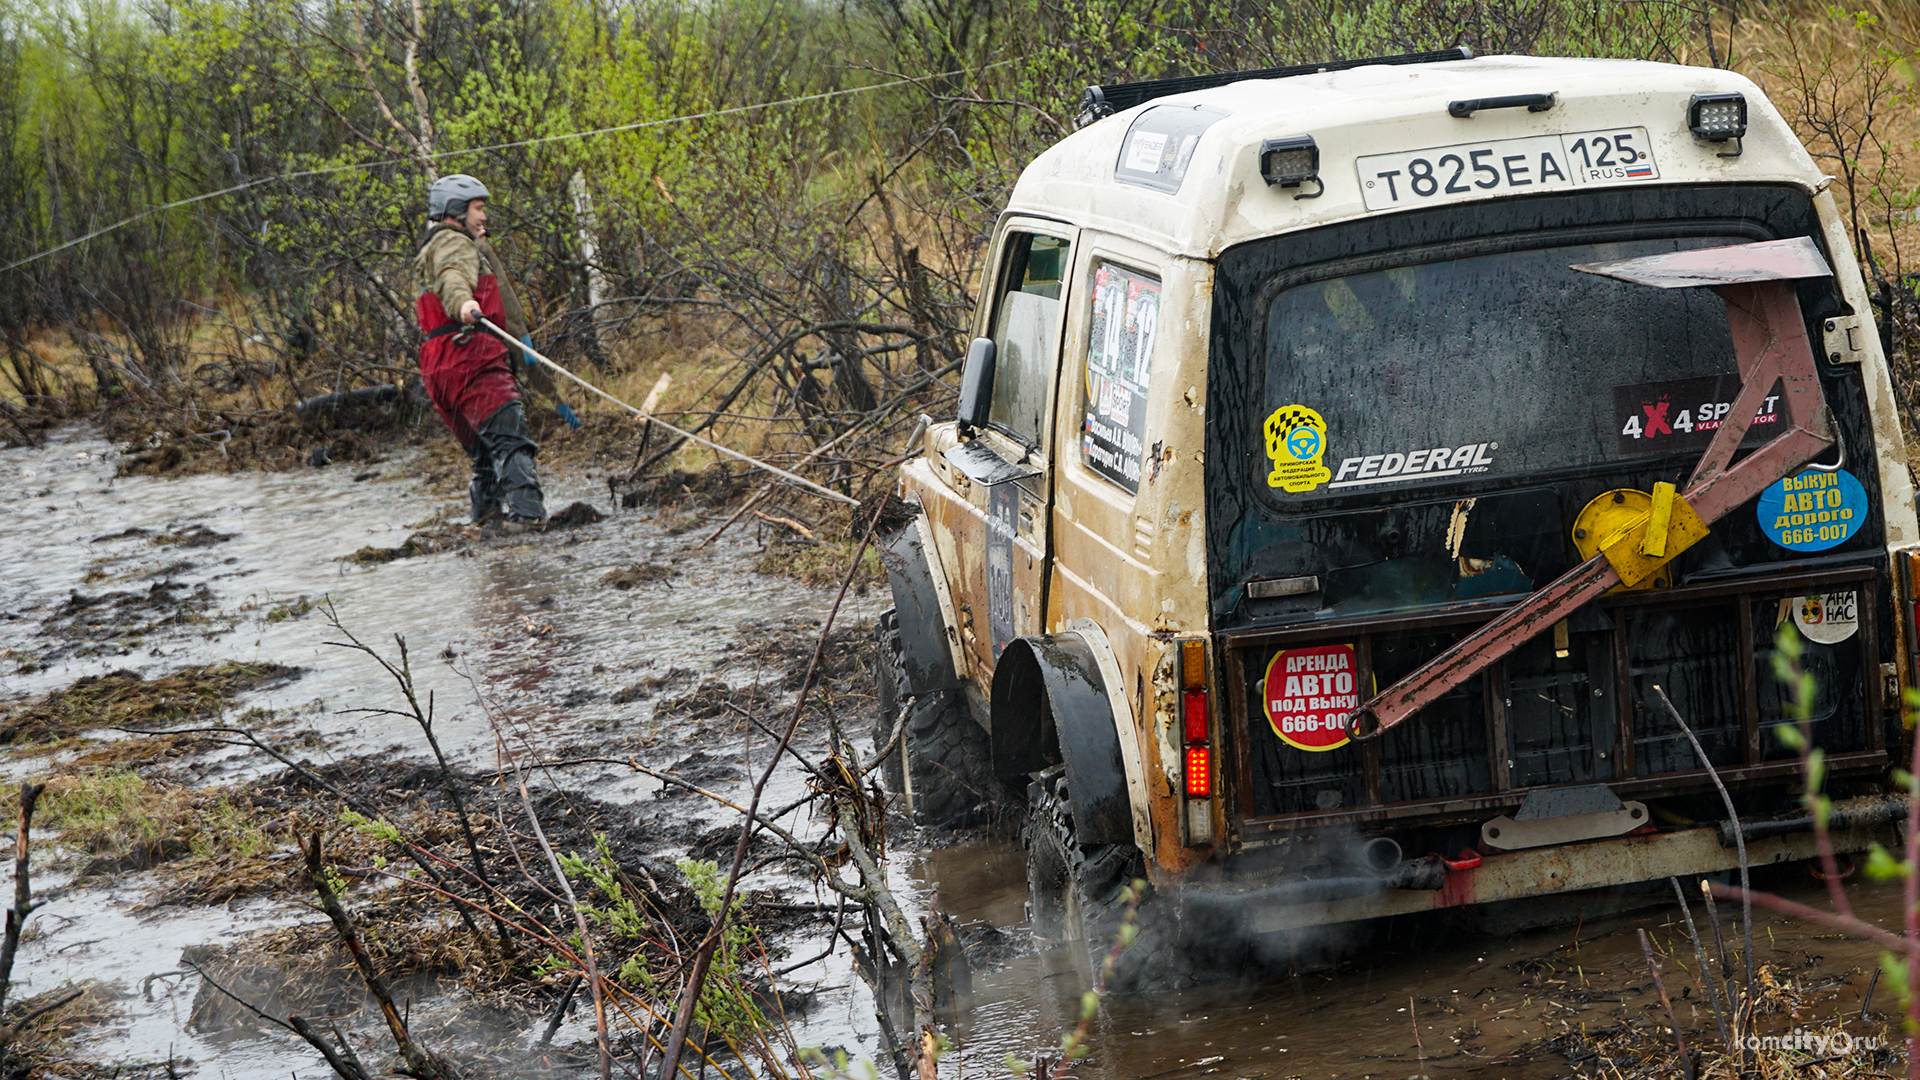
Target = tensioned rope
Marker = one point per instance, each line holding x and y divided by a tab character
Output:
637	126
793	478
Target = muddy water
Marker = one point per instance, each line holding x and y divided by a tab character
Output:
532	623
529	619
1482	1006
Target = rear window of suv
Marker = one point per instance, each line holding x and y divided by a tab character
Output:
1492	365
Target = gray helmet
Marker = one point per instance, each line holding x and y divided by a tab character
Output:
449	195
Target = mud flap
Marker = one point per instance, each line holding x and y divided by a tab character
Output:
1050	705
926	652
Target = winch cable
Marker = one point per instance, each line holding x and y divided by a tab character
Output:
792	478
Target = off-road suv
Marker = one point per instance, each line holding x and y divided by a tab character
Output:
1355	462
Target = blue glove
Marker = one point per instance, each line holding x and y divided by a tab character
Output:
566	414
527	358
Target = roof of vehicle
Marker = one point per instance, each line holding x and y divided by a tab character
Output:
1379	109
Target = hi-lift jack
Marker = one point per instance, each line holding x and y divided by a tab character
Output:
1770	343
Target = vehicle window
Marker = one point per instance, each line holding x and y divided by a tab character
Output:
1026	335
1113	427
1500	364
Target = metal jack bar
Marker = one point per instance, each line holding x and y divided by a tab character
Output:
791	478
1770	343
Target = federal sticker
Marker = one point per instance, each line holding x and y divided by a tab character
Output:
1828	618
1310	693
1813	511
1296	439
1418	464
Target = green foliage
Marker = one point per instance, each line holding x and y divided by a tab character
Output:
727	1003
1882	866
378	828
612	907
1893	968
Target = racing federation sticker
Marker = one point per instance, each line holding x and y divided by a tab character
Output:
1828	618
1309	695
1296	438
1813	511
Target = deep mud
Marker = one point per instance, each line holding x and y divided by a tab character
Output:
171	664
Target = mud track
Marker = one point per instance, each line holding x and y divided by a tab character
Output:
169	664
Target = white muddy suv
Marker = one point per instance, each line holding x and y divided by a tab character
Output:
1348	453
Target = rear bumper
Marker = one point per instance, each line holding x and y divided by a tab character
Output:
1596	864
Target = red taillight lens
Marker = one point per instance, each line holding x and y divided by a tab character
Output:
1199	773
1193	711
1913	637
1913	629
1195	726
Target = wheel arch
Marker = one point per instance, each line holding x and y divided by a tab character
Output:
1056	699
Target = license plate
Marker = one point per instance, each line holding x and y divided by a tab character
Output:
1445	174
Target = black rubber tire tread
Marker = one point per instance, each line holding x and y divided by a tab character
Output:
950	756
1068	881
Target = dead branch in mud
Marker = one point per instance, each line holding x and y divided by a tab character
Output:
588	961
23	904
421	1063
414	853
498	895
704	956
1679	1040
1700	958
23	907
402	675
1740	842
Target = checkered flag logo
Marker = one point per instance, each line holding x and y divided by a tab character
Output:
1280	428
1296	438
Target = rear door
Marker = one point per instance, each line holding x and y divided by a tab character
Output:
1462	397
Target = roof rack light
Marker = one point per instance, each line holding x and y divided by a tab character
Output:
1099	101
1290	162
1719	117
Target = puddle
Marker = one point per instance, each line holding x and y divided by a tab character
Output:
565	657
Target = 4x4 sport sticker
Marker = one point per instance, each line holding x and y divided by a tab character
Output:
1813	511
1309	694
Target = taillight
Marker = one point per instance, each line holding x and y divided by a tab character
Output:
1195	724
1913	626
1199	772
1194	709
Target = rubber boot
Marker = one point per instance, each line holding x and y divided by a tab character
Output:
483	491
505	437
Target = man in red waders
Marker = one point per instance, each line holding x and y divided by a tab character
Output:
467	370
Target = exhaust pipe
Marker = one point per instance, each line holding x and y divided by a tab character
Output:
1380	855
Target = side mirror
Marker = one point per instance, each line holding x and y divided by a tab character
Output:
976	384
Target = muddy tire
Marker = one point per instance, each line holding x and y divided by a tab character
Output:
943	762
1075	892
